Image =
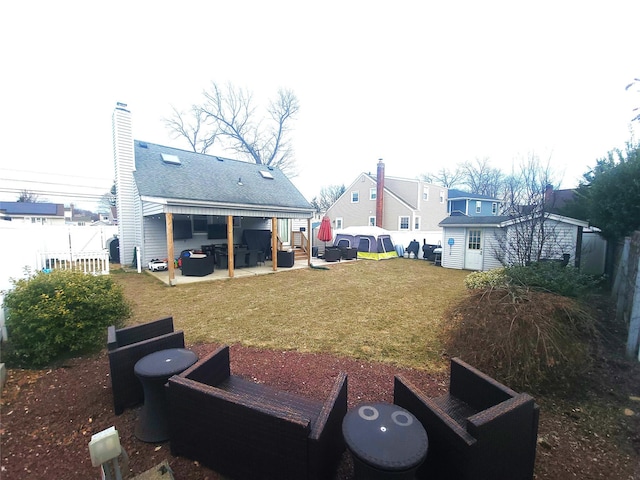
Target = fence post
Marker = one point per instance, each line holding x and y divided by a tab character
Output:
634	320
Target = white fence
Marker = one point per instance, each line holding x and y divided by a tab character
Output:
96	263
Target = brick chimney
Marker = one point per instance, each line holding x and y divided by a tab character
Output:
379	193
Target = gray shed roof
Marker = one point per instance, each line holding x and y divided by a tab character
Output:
171	173
472	221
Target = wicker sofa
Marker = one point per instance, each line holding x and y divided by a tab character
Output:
246	430
480	430
125	346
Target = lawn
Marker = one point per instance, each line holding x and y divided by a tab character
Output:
390	311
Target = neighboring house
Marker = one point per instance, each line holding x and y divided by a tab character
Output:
398	205
194	195
472	205
486	242
36	213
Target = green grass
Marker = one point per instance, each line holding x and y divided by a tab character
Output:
389	311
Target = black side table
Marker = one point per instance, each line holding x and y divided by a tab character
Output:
385	440
153	371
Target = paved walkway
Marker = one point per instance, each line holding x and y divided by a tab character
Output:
223	274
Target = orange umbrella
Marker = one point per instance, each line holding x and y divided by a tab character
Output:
324	232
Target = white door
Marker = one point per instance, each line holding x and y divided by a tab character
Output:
473	253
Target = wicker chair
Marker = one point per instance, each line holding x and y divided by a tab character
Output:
128	345
480	430
246	430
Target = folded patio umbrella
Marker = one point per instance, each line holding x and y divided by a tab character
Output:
324	232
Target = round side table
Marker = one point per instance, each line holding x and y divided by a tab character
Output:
385	440
153	371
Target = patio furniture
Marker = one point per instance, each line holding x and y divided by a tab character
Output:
286	259
198	265
385	441
247	430
332	254
153	371
126	346
480	430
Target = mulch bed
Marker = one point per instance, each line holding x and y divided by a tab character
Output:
49	416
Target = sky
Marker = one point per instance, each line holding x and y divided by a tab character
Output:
423	85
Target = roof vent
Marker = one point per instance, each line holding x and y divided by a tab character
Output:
220	159
266	174
172	159
142	144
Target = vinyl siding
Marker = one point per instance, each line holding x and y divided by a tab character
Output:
453	257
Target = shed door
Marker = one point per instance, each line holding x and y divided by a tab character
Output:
473	254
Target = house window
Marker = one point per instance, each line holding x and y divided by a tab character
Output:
338	223
474	239
372	194
478	206
441	196
404	223
416	223
372	221
355	197
494	208
425	194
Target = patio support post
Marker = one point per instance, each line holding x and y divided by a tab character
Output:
168	218
230	248
274	243
309	242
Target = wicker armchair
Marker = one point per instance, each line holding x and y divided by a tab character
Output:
480	430
128	345
246	430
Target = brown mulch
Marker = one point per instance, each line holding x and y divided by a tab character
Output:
49	416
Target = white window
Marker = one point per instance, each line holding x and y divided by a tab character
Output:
478	206
355	197
425	194
404	223
416	223
494	208
372	194
441	196
339	223
372	221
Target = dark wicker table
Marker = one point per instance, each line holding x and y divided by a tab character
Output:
385	440
153	371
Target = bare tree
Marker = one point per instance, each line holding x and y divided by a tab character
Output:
530	235
27	196
228	115
448	178
328	196
636	83
481	178
191	126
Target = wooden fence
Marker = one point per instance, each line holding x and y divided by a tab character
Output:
626	291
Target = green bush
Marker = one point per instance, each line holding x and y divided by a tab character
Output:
553	277
52	315
489	279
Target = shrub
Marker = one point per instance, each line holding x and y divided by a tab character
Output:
489	279
51	315
553	277
524	338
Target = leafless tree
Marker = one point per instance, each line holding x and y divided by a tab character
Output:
481	178
530	236
636	84
328	196
27	196
229	116
192	127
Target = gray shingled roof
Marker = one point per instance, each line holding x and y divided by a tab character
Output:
455	194
207	178
467	221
